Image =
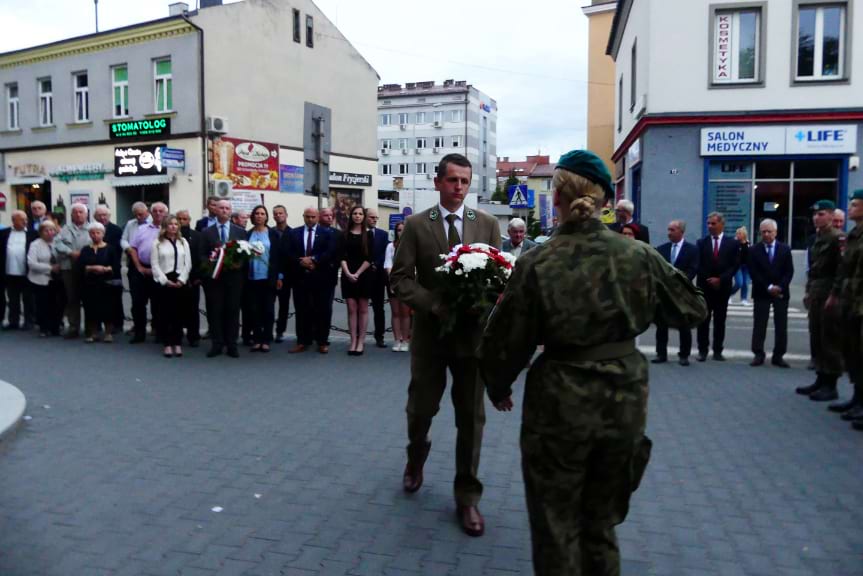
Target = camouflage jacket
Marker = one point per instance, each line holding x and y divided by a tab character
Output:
848	285
824	256
584	287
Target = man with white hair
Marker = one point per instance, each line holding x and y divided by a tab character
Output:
38	213
771	269
623	213
73	237
839	220
144	288
14	244
517	243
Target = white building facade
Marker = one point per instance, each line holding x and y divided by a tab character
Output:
420	123
750	108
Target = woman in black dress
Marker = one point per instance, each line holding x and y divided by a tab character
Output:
99	265
356	280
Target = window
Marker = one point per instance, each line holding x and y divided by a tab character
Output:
456	115
386	119
620	103
297	30
404	169
421	118
456	141
438	117
120	77
403	117
403	143
438	141
82	97
46	103
386	169
422	168
164	86
736	46
633	74
421	142
386	144
12	120
310	31
820	42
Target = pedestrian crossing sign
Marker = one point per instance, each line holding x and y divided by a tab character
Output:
520	196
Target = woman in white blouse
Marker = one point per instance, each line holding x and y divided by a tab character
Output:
401	314
171	262
43	275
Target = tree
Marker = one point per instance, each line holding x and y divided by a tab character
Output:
501	193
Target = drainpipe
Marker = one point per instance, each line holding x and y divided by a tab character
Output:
205	171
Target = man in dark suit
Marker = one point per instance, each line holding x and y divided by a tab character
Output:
684	256
224	294
211	217
283	293
113	237
308	255
326	221
718	261
192	291
379	275
771	269
623	212
14	245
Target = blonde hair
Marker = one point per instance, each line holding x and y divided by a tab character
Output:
163	229
585	198
742	230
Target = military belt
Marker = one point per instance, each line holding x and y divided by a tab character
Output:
598	353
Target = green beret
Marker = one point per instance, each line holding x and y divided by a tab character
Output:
857	195
587	164
824	205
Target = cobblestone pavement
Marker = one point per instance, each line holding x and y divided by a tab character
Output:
135	464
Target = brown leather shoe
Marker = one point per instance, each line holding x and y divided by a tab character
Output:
324	349
413	476
470	520
297	349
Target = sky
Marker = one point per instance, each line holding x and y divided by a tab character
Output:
529	56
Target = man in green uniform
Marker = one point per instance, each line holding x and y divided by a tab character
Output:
847	297
585	295
825	337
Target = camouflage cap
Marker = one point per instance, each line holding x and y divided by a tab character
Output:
824	205
856	195
587	164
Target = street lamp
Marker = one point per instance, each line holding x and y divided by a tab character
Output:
96	7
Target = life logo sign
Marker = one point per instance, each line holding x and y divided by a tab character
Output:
840	139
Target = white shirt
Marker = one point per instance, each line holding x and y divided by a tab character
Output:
388	257
306	241
16	253
164	260
516	250
459	222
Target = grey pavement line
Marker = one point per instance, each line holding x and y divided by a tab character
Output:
12	407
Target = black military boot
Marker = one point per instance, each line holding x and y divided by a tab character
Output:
857	424
855	400
827	391
806	390
855	413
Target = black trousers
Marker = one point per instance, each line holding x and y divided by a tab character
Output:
259	295
170	319
191	312
284	297
143	291
313	307
717	310
119	314
18	293
224	299
761	314
662	342
379	282
49	307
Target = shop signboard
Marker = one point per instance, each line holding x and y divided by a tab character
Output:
128	129
733	199
139	160
821	139
252	166
246	201
395	219
291	179
350	179
174	157
779	140
69	172
27	170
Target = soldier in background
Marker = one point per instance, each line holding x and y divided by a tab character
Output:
585	404
825	338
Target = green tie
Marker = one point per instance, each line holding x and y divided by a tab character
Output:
452	232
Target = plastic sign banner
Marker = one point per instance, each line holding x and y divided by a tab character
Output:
139	160
248	165
779	140
124	129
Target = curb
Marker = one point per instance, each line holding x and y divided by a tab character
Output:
12	406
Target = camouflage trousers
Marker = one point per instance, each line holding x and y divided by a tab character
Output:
825	338
583	454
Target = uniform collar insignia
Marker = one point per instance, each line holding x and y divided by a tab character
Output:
470	214
434	214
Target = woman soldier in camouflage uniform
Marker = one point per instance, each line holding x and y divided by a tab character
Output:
585	295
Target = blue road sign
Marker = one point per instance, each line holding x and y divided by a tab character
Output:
520	196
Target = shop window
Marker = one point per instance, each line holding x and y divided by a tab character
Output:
120	82
12	107
736	52
820	42
164	86
297	27
805	195
816	169
82	97
773	169
46	103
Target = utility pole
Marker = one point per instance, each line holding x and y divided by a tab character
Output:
319	135
96	6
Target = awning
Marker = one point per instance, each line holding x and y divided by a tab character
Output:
26	180
141	180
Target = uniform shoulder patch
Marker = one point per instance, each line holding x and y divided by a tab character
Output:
434	214
470	214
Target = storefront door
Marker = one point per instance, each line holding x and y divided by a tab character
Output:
26	194
128	195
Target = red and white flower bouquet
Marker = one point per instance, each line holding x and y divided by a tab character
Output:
232	256
470	280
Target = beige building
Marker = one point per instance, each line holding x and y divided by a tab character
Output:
600	74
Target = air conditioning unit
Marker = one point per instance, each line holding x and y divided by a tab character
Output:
404	151
429	176
385	151
418	151
403	126
435	150
217	124
221	188
438	123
